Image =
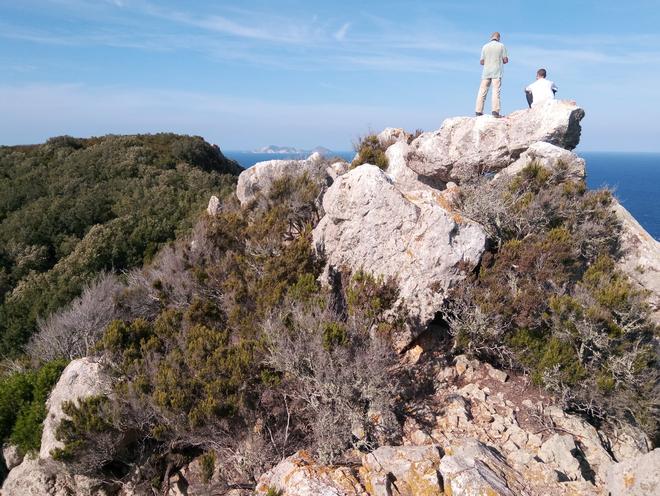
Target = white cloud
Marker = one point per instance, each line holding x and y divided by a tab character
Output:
340	34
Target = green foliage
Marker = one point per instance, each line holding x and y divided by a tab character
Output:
207	461
370	151
23	404
72	208
334	334
272	491
550	299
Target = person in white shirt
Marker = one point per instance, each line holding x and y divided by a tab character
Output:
540	90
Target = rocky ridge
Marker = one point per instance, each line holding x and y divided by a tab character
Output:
482	431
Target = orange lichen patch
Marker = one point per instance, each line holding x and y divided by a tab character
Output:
446	204
629	480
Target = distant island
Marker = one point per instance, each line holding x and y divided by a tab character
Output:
291	150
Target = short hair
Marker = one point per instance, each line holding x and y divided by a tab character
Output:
541	73
495	36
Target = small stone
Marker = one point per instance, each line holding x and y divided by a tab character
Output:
498	375
214	206
528	403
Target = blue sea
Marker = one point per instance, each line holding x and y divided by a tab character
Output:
634	177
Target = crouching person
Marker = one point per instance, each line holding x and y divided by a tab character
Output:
540	90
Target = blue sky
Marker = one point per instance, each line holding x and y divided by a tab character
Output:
306	73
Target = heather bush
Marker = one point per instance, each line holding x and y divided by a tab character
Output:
549	299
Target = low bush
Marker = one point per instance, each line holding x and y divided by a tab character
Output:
370	151
549	299
23	398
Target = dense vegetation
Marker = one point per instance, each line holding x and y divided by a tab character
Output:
71	208
224	347
550	300
228	346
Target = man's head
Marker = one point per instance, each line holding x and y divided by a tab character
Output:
541	74
495	36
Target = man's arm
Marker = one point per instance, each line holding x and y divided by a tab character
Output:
505	55
554	89
505	60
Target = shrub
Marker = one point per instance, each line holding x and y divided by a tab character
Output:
550	300
23	404
73	208
370	151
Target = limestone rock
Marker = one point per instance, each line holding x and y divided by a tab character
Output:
259	178
641	257
391	135
402	470
299	475
472	468
81	378
559	450
638	476
38	477
214	206
464	146
406	179
370	225
550	157
12	455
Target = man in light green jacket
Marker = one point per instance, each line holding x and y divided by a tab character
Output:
493	56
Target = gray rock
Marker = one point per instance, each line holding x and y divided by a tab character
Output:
258	179
214	206
550	157
641	257
12	455
299	475
464	146
81	378
370	225
402	470
38	477
472	469
638	476
391	135
558	450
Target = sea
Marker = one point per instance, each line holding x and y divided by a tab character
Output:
634	178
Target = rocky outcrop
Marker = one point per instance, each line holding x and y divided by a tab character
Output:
551	157
639	476
258	179
42	475
414	238
12	455
299	475
403	470
640	257
465	146
80	379
39	477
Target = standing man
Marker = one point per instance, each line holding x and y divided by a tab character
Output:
493	55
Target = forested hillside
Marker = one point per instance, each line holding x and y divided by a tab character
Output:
72	208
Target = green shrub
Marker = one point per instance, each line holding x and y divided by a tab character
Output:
23	398
72	208
550	300
370	151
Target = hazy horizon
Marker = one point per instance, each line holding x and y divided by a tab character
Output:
307	74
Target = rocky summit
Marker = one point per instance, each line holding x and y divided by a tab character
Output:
474	429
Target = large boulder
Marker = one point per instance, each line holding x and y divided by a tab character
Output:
82	378
473	468
638	476
39	477
465	146
402	470
258	179
300	475
415	239
549	156
641	257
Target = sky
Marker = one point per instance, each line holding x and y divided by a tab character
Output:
249	73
